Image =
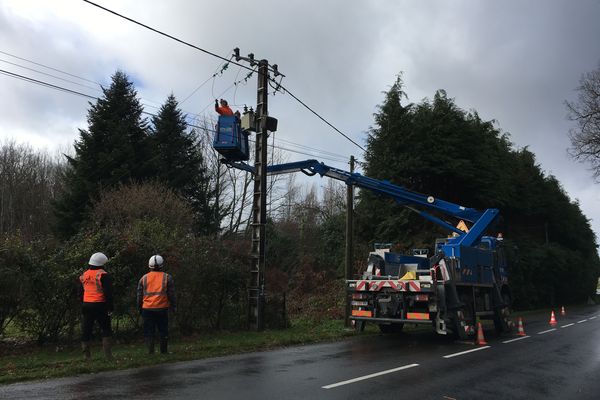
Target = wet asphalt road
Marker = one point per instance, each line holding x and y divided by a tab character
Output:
559	364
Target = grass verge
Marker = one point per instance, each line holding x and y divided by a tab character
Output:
44	363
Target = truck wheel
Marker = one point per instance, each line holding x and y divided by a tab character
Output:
359	326
457	325
501	316
391	328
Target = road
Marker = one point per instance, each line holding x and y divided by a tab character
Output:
550	363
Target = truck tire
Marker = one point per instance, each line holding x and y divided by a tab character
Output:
464	317
457	328
500	319
391	328
359	326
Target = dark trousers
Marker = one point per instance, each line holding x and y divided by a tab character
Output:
156	319
94	312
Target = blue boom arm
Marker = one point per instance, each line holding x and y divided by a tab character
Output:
481	220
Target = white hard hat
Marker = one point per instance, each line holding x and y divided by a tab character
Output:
98	259
155	261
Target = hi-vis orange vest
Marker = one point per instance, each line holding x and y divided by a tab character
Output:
154	284
92	286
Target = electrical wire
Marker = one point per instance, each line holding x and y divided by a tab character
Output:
79	77
202	84
166	34
50	75
236	86
45	66
281	87
311	148
46	84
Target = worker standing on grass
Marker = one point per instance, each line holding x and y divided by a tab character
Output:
155	295
223	108
96	294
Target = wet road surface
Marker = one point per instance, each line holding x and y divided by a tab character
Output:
550	363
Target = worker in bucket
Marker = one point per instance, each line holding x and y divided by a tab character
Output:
155	296
222	108
96	295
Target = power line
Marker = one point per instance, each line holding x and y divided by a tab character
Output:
311	148
75	76
46	84
166	35
53	69
50	75
228	60
204	83
321	118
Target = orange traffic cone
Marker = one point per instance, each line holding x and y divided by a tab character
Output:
552	319
480	339
562	311
520	330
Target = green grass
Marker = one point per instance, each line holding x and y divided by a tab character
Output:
43	363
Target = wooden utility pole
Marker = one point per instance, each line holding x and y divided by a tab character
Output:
256	291
349	242
261	123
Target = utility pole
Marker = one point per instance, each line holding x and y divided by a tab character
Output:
261	124
259	206
349	242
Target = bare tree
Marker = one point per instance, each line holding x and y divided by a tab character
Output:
334	198
29	182
585	139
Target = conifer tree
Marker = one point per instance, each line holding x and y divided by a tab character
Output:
113	150
180	164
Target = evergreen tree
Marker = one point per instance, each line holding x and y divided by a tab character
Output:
114	150
180	164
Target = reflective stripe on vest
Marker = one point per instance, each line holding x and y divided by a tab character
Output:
92	286
155	290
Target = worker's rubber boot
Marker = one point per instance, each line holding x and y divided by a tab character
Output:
163	345
106	345
85	348
150	345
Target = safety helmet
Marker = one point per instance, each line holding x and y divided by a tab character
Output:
98	259
155	261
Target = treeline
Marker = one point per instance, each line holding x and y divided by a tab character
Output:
434	147
134	186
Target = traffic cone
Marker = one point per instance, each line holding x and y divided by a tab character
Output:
480	339
562	311
552	319
520	330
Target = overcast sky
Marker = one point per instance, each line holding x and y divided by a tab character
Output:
513	61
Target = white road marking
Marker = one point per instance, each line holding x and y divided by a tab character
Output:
362	378
514	340
583	320
567	325
549	330
466	352
594	317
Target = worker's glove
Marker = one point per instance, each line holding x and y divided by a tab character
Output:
216	103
